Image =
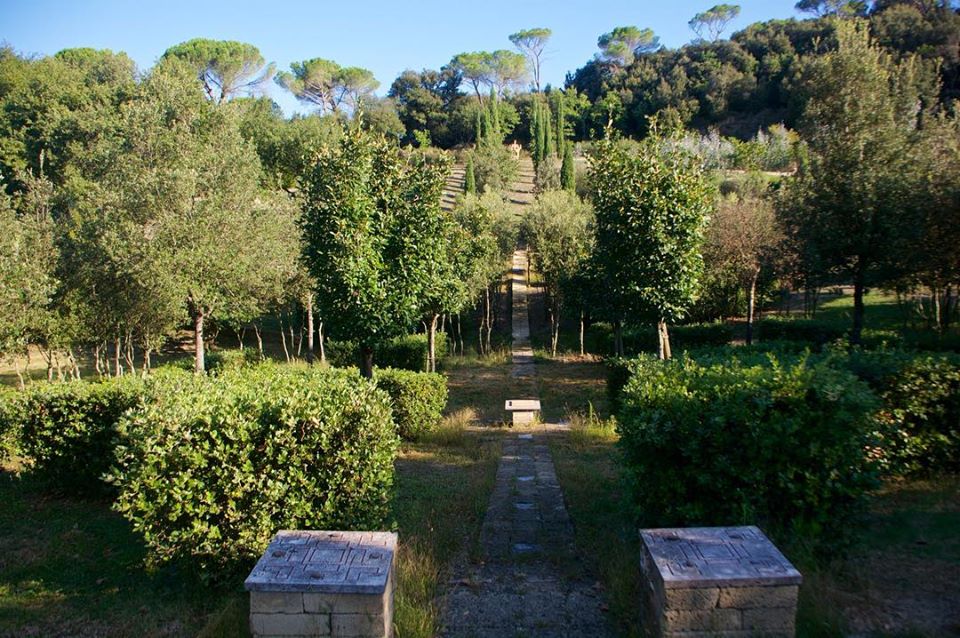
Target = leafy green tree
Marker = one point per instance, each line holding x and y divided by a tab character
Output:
328	86
28	279
531	43
743	238
507	70
714	20
651	209
846	205
426	102
624	44
474	68
54	106
366	215
164	212
844	8
559	227
226	68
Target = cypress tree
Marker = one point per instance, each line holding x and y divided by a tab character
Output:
548	145
560	134
535	133
470	178
486	126
568	176
478	128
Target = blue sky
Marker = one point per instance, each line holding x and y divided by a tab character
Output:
386	37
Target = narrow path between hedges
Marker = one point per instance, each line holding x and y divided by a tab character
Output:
526	581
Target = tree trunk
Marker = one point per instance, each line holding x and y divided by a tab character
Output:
554	328
117	368
199	363
950	305
617	338
96	361
310	328
937	310
751	303
366	361
460	334
663	339
431	344
322	339
858	308
259	335
489	319
283	340
583	350
146	361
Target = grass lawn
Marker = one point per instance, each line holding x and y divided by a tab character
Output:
75	568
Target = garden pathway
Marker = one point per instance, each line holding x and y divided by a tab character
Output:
528	581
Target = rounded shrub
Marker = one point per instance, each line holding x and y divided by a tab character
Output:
212	467
10	411
418	399
68	431
781	445
920	417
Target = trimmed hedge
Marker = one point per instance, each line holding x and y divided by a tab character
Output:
221	360
812	331
782	445
639	339
418	399
212	467
10	411
920	417
68	431
404	353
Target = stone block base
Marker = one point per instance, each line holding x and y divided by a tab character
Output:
523	418
299	615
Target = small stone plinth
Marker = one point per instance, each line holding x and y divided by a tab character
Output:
718	581
337	584
523	411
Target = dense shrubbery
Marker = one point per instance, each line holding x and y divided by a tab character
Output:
10	410
780	445
920	418
68	430
213	466
418	399
220	360
813	331
404	353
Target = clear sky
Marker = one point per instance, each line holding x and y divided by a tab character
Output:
385	37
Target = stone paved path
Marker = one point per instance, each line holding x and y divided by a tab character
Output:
526	583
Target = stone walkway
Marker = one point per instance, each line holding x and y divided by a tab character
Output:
526	582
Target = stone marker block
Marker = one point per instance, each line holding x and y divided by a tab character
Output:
709	581
523	410
318	583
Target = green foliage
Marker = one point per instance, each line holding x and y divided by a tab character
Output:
11	409
651	210
328	86
369	221
714	20
408	352
470	178
920	418
783	446
418	399
812	331
214	466
68	431
624	44
643	338
220	361
495	167
224	67
568	175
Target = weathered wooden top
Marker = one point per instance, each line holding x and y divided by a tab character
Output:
325	562
696	557
522	405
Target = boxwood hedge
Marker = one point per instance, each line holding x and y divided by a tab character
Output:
211	467
418	399
782	445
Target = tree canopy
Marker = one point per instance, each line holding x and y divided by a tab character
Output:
225	68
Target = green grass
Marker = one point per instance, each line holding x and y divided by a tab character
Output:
71	567
588	467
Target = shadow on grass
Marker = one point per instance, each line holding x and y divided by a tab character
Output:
74	567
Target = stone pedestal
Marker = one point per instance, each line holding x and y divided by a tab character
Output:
523	411
717	581
337	584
